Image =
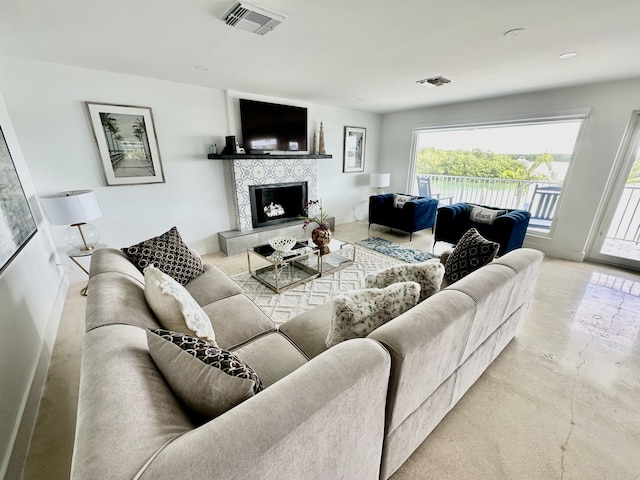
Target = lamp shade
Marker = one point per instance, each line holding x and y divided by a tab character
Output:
69	208
380	180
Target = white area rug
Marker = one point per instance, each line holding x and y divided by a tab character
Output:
281	307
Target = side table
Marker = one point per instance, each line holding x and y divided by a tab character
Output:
76	253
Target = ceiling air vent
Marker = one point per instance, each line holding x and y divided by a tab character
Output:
434	81
252	18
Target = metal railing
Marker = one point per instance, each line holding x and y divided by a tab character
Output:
626	219
497	192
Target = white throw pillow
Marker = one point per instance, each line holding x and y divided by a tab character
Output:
428	274
484	215
175	308
400	200
359	312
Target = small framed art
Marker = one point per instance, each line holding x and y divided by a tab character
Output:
354	146
127	143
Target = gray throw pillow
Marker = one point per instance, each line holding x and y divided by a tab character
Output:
471	252
169	254
357	313
207	379
428	274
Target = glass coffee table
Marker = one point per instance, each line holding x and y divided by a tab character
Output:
302	264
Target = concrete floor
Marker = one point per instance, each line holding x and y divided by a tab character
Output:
561	402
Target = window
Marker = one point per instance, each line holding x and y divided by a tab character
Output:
510	165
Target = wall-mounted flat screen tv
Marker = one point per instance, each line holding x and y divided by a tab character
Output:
271	126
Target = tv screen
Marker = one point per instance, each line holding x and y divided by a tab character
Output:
270	126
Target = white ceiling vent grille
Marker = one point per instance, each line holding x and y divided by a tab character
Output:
249	17
434	81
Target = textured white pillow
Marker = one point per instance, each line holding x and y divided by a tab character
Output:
174	306
359	312
400	200
428	274
484	215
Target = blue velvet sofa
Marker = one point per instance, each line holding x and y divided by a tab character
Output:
415	215
508	229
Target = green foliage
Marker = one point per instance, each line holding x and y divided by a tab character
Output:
634	174
478	163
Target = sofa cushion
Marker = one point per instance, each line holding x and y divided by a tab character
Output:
175	307
207	379
359	312
168	253
428	274
484	215
272	356
400	200
471	252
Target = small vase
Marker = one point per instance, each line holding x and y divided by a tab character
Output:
321	237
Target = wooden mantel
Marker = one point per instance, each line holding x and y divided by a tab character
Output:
253	156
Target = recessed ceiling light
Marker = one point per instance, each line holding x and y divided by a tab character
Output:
566	55
514	32
202	68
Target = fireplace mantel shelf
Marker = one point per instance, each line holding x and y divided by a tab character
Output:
253	156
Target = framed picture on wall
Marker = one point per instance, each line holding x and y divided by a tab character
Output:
127	143
17	225
354	143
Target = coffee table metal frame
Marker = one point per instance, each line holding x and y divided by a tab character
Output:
289	271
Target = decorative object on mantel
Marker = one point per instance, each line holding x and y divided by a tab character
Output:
314	145
379	181
321	235
127	144
354	144
321	147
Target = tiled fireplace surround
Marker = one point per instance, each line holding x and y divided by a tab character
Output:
245	172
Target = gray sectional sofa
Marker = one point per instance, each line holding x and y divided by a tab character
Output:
354	411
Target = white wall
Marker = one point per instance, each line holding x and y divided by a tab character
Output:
610	107
46	104
32	292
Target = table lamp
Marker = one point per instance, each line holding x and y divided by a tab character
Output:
380	181
74	208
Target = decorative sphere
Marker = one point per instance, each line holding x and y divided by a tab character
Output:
74	238
282	244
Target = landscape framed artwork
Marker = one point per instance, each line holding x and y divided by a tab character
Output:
127	143
17	225
354	146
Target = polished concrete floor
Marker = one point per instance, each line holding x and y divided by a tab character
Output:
561	402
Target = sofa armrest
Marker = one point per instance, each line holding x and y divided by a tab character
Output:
420	213
324	420
451	222
510	229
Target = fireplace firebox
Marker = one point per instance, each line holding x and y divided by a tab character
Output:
277	203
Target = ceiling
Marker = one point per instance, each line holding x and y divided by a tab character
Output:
360	54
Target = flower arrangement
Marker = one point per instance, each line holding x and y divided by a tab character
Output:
319	218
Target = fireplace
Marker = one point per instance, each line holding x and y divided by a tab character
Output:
277	203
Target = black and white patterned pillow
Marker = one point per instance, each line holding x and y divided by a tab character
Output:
207	379
471	252
211	355
169	254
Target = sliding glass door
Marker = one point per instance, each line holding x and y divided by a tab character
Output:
618	238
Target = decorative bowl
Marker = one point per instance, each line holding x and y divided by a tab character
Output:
282	244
